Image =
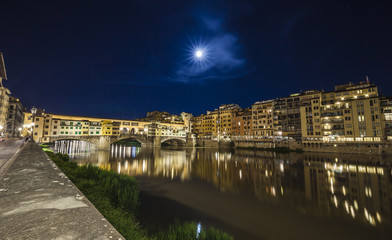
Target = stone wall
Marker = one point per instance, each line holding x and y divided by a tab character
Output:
214	143
359	148
268	144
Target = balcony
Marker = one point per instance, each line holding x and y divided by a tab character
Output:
331	114
332	120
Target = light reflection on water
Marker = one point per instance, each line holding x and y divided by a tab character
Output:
355	188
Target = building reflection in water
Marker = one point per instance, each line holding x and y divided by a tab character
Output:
358	188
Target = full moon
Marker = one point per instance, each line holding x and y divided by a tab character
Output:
199	53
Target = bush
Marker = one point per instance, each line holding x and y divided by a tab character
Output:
122	189
189	231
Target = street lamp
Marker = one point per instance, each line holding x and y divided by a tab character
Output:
33	112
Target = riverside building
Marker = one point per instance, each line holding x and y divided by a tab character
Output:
4	97
15	117
4	103
216	124
262	119
242	124
351	113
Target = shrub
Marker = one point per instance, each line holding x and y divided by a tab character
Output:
189	231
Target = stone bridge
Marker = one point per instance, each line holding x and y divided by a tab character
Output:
104	142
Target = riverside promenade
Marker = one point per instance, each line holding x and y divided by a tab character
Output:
37	201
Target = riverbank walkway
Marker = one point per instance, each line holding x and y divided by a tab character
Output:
37	201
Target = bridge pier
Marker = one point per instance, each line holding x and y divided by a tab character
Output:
103	143
156	141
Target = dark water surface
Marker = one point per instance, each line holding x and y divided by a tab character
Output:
256	194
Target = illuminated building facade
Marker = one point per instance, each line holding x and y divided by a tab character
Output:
242	124
4	102
15	117
351	113
47	125
287	117
311	115
386	115
262	118
217	123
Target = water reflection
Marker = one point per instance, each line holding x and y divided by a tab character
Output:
356	188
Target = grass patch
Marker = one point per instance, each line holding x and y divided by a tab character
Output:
116	196
190	231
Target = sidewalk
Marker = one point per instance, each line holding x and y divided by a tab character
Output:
37	201
7	150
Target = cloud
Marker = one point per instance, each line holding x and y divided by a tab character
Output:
221	55
213	24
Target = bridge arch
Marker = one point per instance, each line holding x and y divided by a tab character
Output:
174	141
139	138
70	138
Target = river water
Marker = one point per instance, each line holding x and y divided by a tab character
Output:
255	194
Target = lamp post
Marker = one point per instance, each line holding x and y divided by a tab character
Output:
33	112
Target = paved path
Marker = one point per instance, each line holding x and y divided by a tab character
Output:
37	201
7	150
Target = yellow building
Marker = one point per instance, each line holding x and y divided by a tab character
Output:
386	113
4	102
4	97
311	116
107	127
198	125
217	123
350	113
262	117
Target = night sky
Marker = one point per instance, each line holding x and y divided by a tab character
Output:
122	59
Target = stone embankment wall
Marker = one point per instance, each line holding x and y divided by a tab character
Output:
213	143
361	148
268	144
